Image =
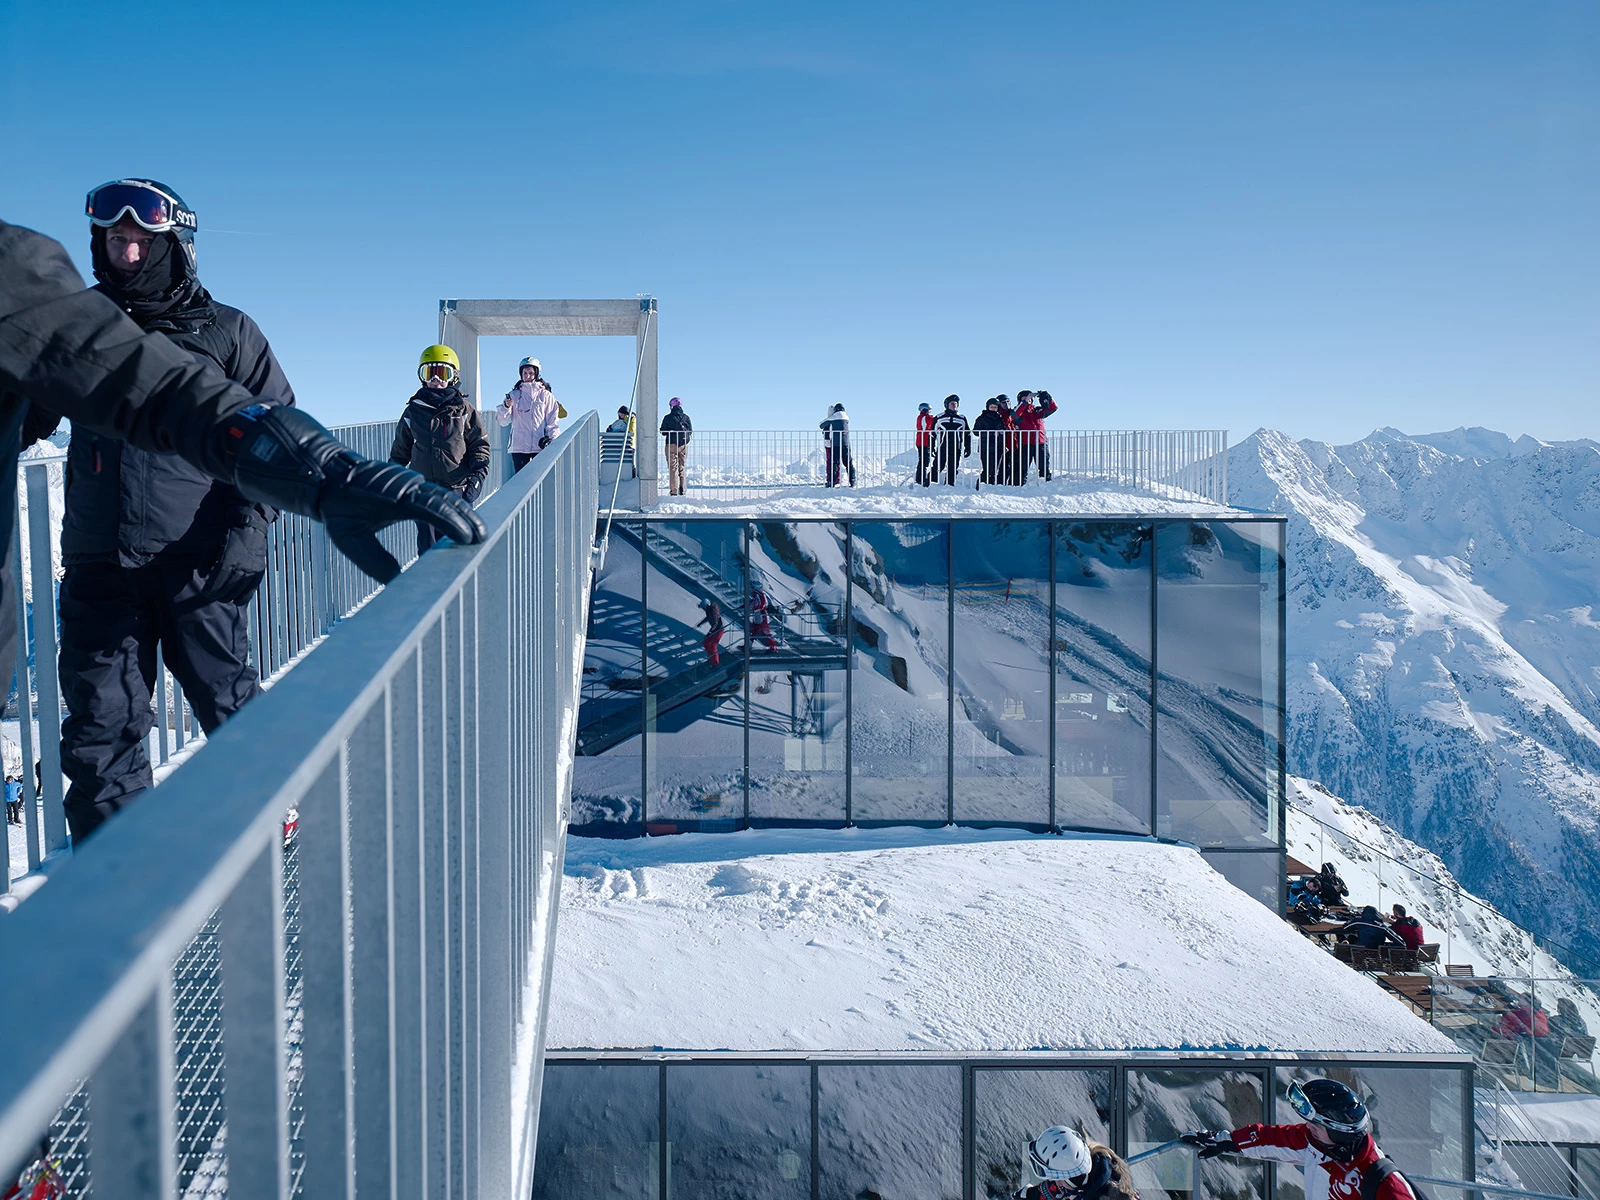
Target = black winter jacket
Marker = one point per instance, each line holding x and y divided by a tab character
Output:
126	505
441	437
677	427
836	431
73	352
952	434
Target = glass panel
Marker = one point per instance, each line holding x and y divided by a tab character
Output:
739	1131
1588	1164
1002	657
1416	1112
900	660
1102	662
599	1132
1164	1104
797	677
1256	874
1218	657
605	775
1544	1169
694	708
1010	1108
892	1131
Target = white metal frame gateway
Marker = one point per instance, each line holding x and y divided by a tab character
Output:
463	322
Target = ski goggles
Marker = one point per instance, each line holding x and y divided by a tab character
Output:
437	370
149	206
1307	1112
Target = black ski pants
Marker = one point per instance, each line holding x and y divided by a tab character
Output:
834	457
946	461
112	620
924	465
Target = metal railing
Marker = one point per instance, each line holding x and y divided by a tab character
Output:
748	464
378	1030
306	589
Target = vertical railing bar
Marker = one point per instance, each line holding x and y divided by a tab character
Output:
132	1105
433	799
25	688
45	650
410	1083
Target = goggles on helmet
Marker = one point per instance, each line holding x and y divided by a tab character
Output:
437	370
149	206
1307	1112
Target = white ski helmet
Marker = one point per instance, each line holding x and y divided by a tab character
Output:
1059	1154
530	362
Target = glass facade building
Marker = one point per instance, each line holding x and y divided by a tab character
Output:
1108	675
839	1127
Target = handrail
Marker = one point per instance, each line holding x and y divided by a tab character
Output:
422	747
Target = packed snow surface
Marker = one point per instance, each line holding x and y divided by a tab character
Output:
951	940
1055	498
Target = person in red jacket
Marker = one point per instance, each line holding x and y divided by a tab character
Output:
1524	1020
925	421
1407	929
1333	1146
1032	409
713	620
761	618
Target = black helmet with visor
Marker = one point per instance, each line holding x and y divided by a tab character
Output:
1337	1109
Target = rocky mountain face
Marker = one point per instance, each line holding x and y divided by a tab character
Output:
1444	649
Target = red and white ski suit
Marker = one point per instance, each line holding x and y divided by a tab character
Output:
761	620
1326	1178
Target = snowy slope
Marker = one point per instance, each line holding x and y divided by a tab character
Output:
1444	649
1035	498
953	940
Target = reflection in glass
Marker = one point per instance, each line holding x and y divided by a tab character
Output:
900	659
1011	1107
1416	1112
1164	1104
1218	657
739	1131
606	777
694	705
1256	874
797	671
1102	663
1587	1162
599	1132
889	1131
1002	671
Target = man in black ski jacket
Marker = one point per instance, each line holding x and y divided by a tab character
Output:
73	353
676	429
440	435
836	446
991	428
952	440
156	552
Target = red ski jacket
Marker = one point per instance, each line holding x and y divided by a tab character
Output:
1031	417
1326	1178
925	429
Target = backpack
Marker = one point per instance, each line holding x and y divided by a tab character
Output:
1372	1179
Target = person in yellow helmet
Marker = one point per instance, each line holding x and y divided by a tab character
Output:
441	435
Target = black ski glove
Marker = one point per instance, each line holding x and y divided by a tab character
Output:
281	456
235	572
1042	397
543	442
1211	1142
472	489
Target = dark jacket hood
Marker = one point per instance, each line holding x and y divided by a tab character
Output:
163	294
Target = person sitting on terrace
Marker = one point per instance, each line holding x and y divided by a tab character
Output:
1331	889
1527	1018
1407	929
1368	931
1568	1021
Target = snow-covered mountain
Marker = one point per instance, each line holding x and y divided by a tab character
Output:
1444	649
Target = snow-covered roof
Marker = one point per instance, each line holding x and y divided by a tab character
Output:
1055	498
951	940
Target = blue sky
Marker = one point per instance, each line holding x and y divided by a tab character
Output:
1323	218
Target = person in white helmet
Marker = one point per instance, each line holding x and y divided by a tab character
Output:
530	409
1060	1164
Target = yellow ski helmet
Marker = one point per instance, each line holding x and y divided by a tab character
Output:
439	354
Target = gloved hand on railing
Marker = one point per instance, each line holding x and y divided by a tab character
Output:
283	457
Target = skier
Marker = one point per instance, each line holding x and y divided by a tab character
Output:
677	429
715	626
531	410
952	439
925	422
14	801
441	436
39	1177
1032	409
155	551
760	617
836	446
1333	1145
625	423
1061	1165
73	353
991	429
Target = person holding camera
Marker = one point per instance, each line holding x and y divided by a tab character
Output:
1032	409
531	410
441	436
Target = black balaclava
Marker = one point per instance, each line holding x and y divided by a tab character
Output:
166	286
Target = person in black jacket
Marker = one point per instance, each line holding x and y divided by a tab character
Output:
440	435
73	353
1368	931
952	440
991	428
836	446
677	429
156	552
